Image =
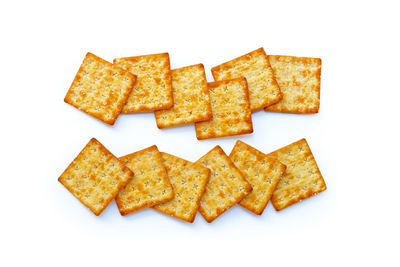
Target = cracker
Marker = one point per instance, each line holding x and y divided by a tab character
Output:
100	89
191	98
254	66
302	178
95	176
261	171
231	110
226	185
300	80
149	187
153	87
189	181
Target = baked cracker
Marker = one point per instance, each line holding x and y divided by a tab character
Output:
149	187
95	176
100	89
302	178
231	110
189	181
226	185
153	87
191	98
261	171
254	66
300	80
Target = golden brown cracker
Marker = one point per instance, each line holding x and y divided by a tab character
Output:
261	171
226	185
153	87
302	178
191	98
95	176
231	110
299	79
149	187
189	181
100	89
255	67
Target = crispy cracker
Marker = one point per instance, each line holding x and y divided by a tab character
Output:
191	98
226	185
261	171
231	110
149	187
254	66
100	89
95	176
153	87
300	80
302	178
189	181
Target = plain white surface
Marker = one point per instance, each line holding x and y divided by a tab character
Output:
354	137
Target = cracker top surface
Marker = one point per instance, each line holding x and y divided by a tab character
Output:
95	176
261	171
153	87
150	185
255	67
226	185
191	98
100	89
188	181
302	178
299	79
231	110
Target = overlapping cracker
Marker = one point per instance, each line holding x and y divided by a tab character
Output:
226	185
95	176
231	110
299	79
153	87
189	181
302	178
261	171
191	98
149	187
255	67
100	89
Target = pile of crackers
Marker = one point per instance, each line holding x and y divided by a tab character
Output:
243	85
179	188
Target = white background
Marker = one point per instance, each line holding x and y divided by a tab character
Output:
355	136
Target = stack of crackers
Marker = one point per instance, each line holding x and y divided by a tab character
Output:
179	188
183	96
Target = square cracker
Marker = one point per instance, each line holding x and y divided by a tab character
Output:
226	185
191	98
254	66
95	176
299	79
231	110
189	181
261	171
100	89
302	178
153	87
150	186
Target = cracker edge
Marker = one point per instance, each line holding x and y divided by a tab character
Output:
308	111
122	185
171	98
256	151
250	121
261	49
308	195
132	210
119	107
249	188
